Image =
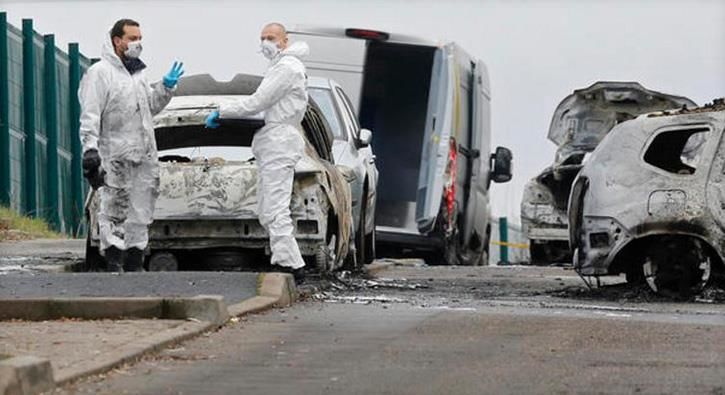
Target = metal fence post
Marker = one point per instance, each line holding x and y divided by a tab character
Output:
50	93
4	113
31	201
74	107
503	230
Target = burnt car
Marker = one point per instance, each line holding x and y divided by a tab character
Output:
206	212
579	123
650	202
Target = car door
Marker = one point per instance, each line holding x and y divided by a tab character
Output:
716	181
365	154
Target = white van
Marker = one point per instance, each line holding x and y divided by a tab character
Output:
428	107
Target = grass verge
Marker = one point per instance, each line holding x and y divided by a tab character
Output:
14	226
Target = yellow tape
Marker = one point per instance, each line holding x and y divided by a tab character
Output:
512	245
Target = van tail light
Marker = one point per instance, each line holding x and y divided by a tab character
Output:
367	34
449	191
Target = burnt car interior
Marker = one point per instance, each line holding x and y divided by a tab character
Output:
676	151
234	132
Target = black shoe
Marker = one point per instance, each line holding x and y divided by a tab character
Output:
114	259
133	261
298	274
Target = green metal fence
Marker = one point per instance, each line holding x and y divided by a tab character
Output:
40	169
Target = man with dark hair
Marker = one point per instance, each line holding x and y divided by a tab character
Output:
119	149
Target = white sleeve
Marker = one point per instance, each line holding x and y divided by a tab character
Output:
158	96
274	86
92	97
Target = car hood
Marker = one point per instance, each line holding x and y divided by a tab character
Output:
583	118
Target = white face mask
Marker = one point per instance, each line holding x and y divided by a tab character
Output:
134	50
269	49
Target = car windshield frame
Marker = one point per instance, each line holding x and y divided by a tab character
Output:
329	100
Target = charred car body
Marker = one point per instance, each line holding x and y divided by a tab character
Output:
351	147
579	123
207	204
649	202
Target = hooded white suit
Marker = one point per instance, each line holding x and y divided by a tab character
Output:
116	119
278	146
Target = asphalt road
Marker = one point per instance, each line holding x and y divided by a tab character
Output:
442	330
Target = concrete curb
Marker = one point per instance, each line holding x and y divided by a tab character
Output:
273	290
205	312
25	375
203	307
134	351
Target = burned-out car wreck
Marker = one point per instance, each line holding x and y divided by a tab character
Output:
650	202
206	212
579	123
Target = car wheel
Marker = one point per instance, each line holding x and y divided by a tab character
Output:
360	237
163	262
370	245
677	267
325	256
94	261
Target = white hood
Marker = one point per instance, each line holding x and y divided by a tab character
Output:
298	49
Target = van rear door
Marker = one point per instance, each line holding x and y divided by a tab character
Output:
436	144
476	210
338	58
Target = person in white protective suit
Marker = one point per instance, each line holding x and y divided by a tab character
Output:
279	145
120	159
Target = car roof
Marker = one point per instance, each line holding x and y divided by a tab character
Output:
319	82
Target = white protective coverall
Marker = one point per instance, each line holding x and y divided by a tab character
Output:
116	119
278	146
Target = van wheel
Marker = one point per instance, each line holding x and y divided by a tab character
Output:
451	253
94	262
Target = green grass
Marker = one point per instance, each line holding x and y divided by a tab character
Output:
24	227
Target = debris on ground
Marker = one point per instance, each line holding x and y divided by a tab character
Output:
635	293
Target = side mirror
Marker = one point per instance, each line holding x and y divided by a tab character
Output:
366	137
501	168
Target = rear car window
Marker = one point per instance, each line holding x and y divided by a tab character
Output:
677	151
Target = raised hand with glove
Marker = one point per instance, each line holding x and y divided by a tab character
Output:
172	77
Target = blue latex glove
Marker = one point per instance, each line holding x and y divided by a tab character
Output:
172	77
212	121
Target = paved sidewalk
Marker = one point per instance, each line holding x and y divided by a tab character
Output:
68	343
233	286
167	307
